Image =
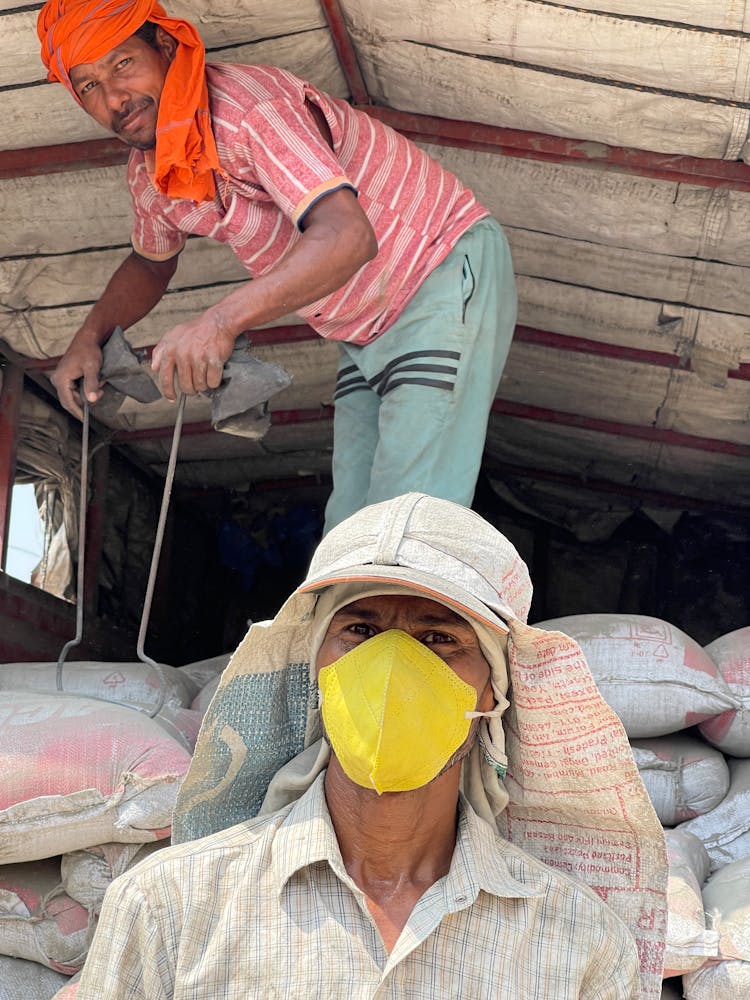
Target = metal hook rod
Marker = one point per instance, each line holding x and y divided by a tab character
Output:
82	510
158	541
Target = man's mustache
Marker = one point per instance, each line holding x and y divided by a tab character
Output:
118	117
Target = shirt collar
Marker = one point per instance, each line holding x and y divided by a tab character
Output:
480	859
306	837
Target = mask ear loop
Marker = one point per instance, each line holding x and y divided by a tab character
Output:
494	714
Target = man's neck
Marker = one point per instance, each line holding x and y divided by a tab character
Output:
394	846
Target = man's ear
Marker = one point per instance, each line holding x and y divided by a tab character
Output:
165	43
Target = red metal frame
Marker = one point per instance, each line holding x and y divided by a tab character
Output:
299	333
556	149
658	435
696	170
502	407
10	408
345	51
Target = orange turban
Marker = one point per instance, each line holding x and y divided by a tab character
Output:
82	31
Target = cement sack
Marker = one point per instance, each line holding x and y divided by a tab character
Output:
86	875
79	772
730	731
725	831
161	692
723	981
203	699
690	944
69	991
684	777
39	921
726	900
656	678
203	671
138	685
22	980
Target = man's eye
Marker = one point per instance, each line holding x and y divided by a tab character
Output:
87	87
362	629
123	63
436	638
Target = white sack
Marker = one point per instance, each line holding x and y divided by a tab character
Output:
730	731
203	671
726	900
684	777
203	699
162	692
689	943
723	981
655	677
23	980
79	772
70	989
725	831
86	875
138	685
39	921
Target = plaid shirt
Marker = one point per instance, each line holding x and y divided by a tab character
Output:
266	909
277	166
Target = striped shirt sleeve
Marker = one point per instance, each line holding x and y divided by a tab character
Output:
294	164
153	237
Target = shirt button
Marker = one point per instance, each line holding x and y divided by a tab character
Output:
460	899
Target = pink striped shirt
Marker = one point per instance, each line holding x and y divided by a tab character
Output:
277	166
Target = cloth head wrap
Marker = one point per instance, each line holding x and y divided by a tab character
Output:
72	32
572	795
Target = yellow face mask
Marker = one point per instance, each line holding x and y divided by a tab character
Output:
394	712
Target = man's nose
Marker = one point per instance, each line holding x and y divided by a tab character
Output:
115	95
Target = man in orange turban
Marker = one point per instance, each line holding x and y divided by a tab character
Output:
335	217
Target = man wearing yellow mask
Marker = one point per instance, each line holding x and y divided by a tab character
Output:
416	835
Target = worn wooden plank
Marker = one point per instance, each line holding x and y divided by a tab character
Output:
221	24
625	391
634	322
640	464
88	209
571	40
430	81
63	279
47	115
34	282
727	15
701	283
575	310
606	207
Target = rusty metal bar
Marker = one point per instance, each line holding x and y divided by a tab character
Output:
10	409
556	149
701	171
95	520
345	51
657	435
299	333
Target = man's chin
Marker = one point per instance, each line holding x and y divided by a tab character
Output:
135	143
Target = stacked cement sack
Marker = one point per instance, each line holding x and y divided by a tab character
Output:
92	758
686	711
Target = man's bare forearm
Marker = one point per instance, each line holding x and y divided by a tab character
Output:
131	293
